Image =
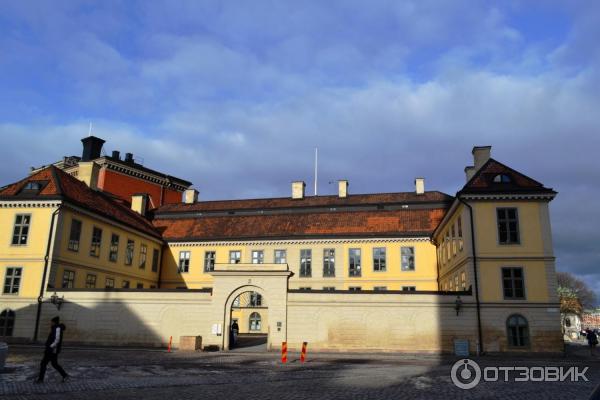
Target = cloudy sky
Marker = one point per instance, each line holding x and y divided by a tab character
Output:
235	96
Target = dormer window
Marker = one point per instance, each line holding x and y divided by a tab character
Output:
33	185
502	178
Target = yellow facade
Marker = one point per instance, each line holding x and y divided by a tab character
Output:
82	263
424	276
29	256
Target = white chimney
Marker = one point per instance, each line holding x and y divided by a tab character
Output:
190	196
481	154
419	185
298	190
343	188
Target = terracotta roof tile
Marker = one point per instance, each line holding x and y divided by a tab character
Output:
60	185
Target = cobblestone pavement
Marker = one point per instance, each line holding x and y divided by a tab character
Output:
134	374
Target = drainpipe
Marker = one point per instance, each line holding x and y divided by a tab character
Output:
46	260
474	253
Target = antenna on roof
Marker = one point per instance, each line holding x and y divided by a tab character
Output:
316	165
90	131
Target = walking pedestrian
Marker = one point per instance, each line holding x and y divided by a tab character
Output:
52	349
592	339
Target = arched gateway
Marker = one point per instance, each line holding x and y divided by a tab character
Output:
270	281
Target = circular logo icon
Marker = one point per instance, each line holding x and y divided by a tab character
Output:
465	374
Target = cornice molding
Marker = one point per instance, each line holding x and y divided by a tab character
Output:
30	203
292	242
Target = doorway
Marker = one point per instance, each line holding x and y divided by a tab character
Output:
249	328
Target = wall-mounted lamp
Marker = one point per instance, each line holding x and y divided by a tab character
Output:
57	301
458	305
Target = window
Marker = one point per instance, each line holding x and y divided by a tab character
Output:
235	257
129	252
463	280
508	226
379	259
12	280
96	242
90	281
517	331
21	231
280	256
512	282
125	284
409	288
408	258
456	287
255	299
502	178
7	322
354	262
74	235
329	288
460	233
447	248
184	262
236	302
329	262
140	285
305	288
255	321
258	256
380	288
113	253
110	283
355	288
68	280
155	255
305	262
453	235
209	261
143	255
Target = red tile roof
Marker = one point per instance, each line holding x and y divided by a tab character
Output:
309	201
483	181
61	186
374	223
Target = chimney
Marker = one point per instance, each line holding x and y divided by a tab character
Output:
480	156
116	154
298	190
190	196
470	172
419	185
139	202
129	158
88	173
92	146
343	188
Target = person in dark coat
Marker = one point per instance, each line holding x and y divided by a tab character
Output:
592	339
52	349
235	330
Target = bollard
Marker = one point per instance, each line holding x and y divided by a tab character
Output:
170	341
284	352
303	353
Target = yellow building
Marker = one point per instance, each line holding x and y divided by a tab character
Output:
325	269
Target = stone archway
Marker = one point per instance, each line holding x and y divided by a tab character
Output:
269	280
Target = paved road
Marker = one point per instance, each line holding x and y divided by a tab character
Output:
131	374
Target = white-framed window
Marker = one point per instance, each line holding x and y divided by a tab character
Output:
380	288
463	280
68	280
184	262
235	257
109	283
305	263
329	288
74	235
355	288
90	281
21	229
255	322
453	235
143	255
258	256
129	252
12	280
354	263
329	263
379	261
407	258
280	256
409	288
255	299
209	261
96	242
460	233
113	253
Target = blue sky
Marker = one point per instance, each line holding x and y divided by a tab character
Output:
234	96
